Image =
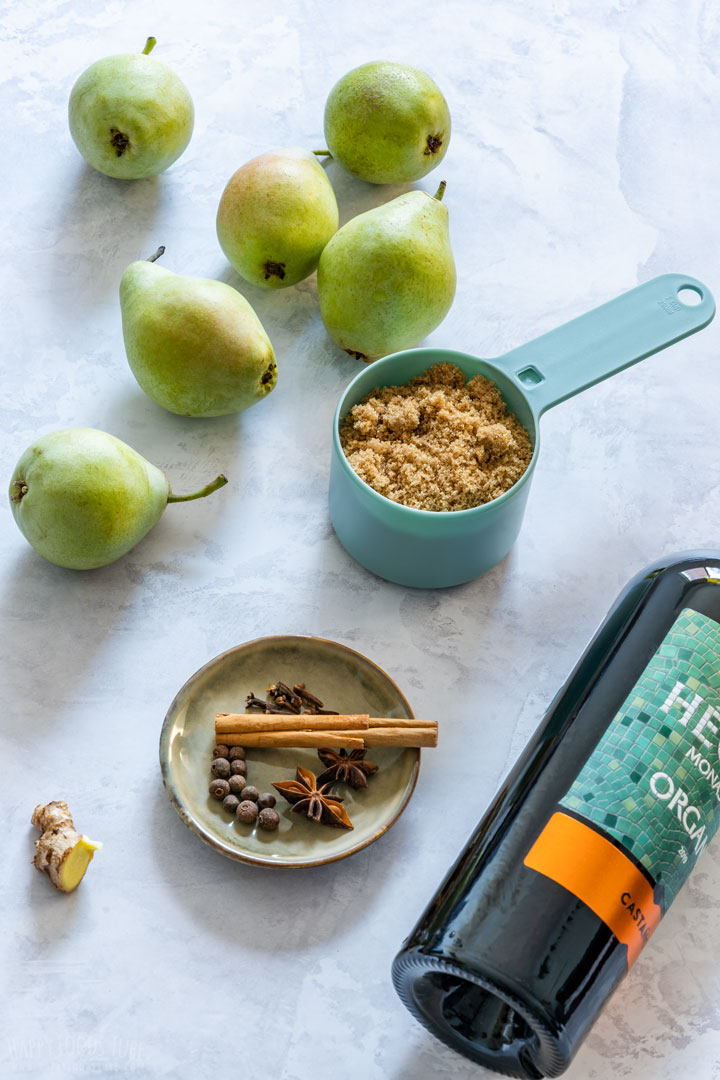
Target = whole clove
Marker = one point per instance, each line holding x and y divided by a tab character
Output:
283	695
310	700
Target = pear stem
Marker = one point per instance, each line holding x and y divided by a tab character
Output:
322	153
160	251
149	46
218	482
440	191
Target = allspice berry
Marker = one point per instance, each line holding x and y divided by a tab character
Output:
236	754
231	803
250	793
246	812
266	801
269	819
237	784
221	751
238	768
219	788
220	767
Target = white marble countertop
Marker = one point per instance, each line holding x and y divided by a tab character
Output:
584	160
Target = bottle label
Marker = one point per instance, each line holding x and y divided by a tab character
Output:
589	865
652	784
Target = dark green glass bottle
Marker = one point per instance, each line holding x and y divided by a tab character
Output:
589	839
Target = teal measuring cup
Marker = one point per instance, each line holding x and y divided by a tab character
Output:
428	549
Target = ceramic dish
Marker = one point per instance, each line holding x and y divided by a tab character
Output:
346	681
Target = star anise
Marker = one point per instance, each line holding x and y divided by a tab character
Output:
309	798
348	768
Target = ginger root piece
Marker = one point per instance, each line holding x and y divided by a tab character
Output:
61	852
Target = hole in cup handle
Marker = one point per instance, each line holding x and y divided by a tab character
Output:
690	295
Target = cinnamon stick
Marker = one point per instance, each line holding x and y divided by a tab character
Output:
354	731
397	736
351	740
398	722
354	739
234	723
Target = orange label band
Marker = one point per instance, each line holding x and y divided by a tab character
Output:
589	866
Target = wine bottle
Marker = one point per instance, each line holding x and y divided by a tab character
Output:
589	839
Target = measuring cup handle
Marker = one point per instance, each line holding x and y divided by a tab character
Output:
608	339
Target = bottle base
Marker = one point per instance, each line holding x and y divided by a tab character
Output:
478	1018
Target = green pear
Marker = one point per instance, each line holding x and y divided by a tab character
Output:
130	115
195	345
83	498
387	278
387	123
276	215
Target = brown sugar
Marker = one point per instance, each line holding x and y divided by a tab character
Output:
437	442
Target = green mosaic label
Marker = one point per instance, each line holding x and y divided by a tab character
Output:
653	781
